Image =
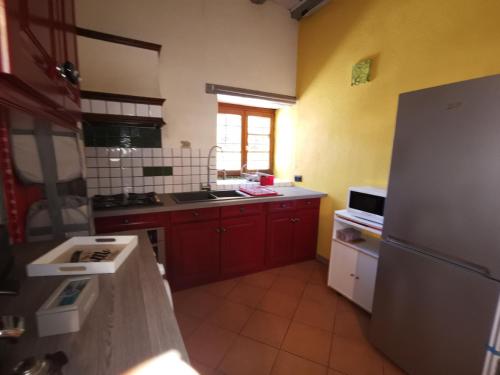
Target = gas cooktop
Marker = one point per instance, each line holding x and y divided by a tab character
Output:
102	202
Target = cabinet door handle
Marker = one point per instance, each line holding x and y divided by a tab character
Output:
283	205
352	275
68	71
357	277
308	202
217	230
126	221
196	214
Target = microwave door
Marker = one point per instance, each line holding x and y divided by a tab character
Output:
368	206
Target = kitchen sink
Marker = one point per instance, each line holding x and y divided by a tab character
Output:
203	196
229	194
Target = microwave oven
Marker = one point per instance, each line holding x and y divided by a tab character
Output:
367	203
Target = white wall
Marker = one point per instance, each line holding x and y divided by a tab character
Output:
228	42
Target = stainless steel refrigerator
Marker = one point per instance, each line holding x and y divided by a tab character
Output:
438	279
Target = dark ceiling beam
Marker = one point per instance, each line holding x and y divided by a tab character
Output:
117	39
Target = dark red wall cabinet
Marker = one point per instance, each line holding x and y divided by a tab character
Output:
211	244
38	64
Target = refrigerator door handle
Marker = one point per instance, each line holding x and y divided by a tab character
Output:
436	254
492	359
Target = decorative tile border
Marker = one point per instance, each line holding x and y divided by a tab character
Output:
120	108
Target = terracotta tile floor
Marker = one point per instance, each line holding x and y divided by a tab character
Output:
283	321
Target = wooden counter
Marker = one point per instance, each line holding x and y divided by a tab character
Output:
130	322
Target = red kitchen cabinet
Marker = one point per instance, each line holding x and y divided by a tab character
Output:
242	245
195	253
305	234
279	239
38	64
292	233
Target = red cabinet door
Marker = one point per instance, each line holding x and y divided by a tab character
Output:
32	49
67	52
242	245
195	253
305	234
279	239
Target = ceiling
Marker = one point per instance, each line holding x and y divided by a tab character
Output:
288	4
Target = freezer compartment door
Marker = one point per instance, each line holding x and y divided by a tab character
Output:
431	317
445	181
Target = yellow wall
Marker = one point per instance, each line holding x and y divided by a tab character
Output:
343	134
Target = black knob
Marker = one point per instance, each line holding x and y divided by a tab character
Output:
68	71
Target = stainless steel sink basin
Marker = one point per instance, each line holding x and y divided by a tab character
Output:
223	194
203	196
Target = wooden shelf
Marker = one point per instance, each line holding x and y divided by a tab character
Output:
347	218
370	246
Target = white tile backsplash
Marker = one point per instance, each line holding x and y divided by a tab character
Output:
116	172
124	172
127	172
155	111
157	153
97	106
142	110
128	109
85	105
113	108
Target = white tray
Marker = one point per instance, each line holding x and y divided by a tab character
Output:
47	264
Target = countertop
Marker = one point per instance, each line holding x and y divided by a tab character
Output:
168	203
131	321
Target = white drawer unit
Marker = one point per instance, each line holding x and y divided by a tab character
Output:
353	265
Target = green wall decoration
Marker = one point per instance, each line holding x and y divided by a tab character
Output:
361	72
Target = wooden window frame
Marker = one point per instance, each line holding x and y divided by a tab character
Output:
244	112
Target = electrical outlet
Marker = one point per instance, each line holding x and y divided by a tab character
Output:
297	178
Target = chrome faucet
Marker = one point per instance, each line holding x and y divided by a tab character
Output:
207	187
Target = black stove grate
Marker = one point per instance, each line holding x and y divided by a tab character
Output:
102	202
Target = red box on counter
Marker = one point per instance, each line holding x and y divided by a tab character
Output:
266	180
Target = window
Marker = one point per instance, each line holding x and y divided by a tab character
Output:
245	135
